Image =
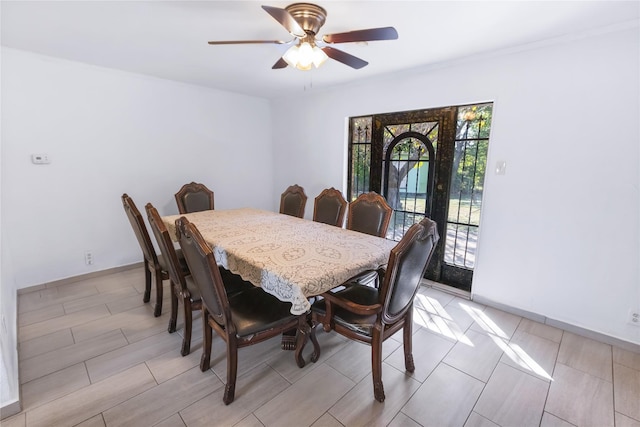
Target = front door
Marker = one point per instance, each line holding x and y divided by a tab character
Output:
414	159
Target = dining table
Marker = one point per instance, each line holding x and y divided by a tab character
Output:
291	258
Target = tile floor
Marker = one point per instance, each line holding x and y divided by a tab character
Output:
92	354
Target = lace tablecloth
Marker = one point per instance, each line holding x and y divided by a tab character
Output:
288	257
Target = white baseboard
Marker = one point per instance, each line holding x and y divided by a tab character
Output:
578	330
10	409
73	279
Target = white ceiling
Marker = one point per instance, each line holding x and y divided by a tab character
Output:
168	39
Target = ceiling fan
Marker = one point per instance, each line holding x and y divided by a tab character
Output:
303	21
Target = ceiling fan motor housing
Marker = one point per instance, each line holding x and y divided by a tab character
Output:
311	17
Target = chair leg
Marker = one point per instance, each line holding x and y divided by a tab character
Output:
205	360
188	317
407	341
147	282
158	308
174	310
232	371
376	365
314	340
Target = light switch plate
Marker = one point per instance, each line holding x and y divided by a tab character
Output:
40	159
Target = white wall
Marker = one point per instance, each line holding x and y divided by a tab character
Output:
109	132
559	232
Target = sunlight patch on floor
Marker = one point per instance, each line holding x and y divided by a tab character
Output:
432	315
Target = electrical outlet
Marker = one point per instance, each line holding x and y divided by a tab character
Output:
634	316
88	257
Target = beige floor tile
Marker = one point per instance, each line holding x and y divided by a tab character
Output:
73	289
96	421
45	344
167	365
549	420
172	421
450	322
626	391
148	326
98	299
496	322
249	421
305	405
35	316
330	344
442	297
18	420
580	398
39	329
46	297
428	350
401	420
539	329
121	280
160	402
446	398
466	305
126	304
512	397
139	320
53	386
109	363
325	420
359	407
89	401
626	358
531	354
58	391
624	421
479	357
586	355
476	420
44	364
354	360
252	390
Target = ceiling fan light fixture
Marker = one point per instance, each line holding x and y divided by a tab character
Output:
305	58
319	56
291	56
304	55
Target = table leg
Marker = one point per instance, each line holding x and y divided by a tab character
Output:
306	330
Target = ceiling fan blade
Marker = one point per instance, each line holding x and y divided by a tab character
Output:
345	58
281	63
218	42
371	34
286	20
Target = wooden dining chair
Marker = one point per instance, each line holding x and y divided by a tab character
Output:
241	320
194	197
152	262
182	285
369	213
293	201
372	315
330	207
